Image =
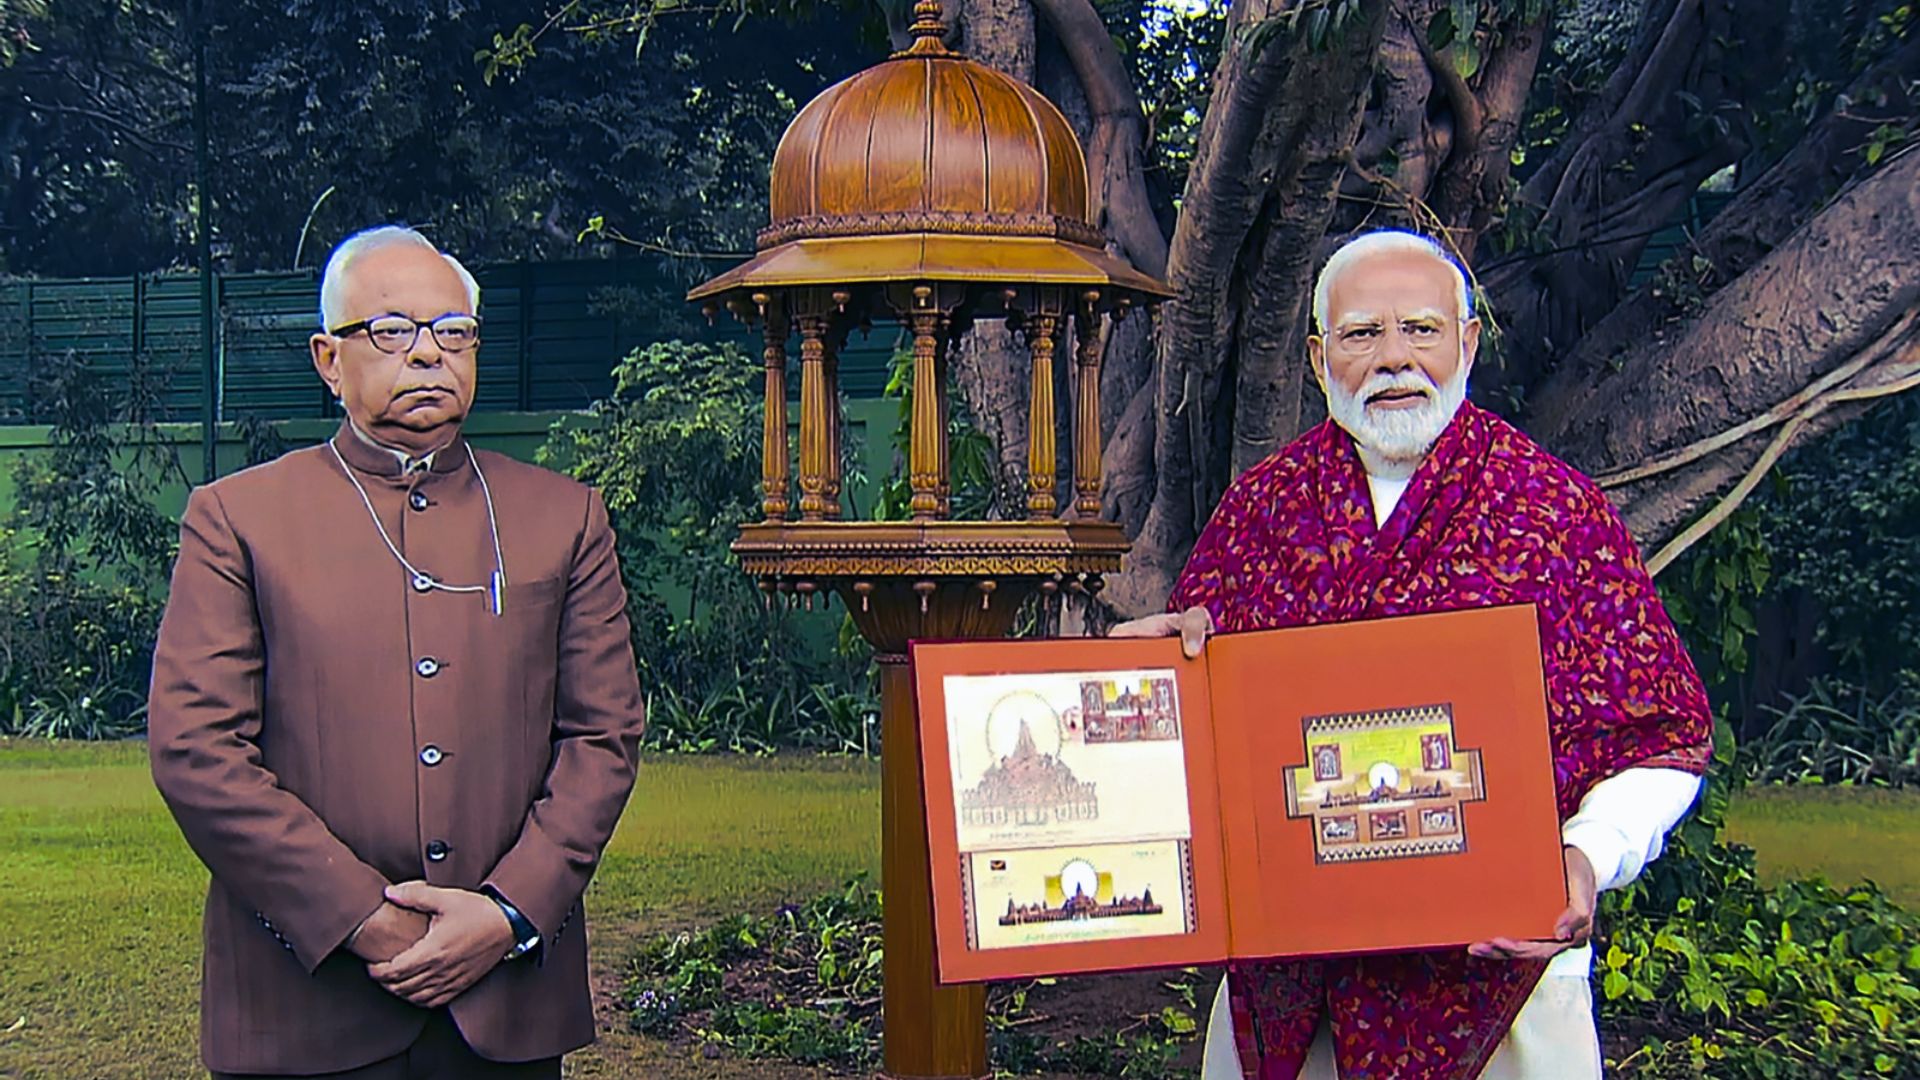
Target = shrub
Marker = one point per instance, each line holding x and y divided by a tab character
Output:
1706	973
1847	519
675	452
802	984
84	559
1840	734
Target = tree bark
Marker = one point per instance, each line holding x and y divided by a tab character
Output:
1402	137
1660	129
1844	287
999	33
1487	120
1743	233
990	366
1260	179
1116	145
1322	117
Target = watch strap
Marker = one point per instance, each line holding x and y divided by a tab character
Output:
526	937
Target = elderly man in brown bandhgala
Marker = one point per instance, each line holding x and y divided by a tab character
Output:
395	711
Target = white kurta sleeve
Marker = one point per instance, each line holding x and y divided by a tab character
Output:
1623	822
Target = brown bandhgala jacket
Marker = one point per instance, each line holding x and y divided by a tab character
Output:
320	727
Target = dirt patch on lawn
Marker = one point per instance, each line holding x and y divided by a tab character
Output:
1057	1012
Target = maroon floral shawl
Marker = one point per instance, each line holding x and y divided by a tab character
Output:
1489	518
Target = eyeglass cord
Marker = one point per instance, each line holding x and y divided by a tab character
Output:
496	588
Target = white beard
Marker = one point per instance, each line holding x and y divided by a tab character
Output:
1402	436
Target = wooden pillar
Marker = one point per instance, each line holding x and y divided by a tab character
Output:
931	1030
835	421
814	441
1042	464
947	348
926	464
1086	410
773	428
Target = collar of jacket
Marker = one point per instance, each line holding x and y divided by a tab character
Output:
370	457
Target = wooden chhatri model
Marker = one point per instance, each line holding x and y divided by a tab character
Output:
938	192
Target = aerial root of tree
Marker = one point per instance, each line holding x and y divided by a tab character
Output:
1891	367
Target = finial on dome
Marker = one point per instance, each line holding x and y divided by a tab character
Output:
929	30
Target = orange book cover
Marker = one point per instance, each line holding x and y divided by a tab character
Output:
1101	804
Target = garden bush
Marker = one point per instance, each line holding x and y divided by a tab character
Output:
1837	733
1703	972
675	452
1844	524
85	555
1699	972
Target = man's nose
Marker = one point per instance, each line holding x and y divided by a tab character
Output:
426	351
1396	352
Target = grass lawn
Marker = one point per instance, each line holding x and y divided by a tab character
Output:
100	898
1848	834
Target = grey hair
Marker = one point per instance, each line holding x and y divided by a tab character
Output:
1381	242
333	283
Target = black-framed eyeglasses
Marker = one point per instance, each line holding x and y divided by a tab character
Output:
397	333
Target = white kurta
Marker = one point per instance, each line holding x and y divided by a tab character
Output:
1621	826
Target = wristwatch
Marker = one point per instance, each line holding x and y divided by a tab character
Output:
525	937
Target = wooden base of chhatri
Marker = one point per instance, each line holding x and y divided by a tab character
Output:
928	580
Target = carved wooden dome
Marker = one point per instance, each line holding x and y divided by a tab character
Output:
926	168
929	141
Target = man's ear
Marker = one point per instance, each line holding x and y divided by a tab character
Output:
326	360
1317	359
1469	344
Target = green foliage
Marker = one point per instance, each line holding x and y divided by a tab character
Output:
1848	517
1727	979
675	453
1711	592
260	438
385	102
802	984
1464	31
15	19
760	713
1318	23
1588	44
84	559
1173	48
969	452
1839	734
1145	1049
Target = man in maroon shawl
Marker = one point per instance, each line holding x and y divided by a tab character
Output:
1409	499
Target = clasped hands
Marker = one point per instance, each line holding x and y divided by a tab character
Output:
1571	930
427	944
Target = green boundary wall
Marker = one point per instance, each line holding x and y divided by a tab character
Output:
552	333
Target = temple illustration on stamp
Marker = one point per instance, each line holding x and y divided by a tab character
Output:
1027	782
1070	807
1388	784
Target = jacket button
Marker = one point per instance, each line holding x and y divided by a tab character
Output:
436	850
417	500
428	667
430	755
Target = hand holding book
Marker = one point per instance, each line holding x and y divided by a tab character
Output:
1194	625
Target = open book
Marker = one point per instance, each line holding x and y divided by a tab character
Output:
1098	804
